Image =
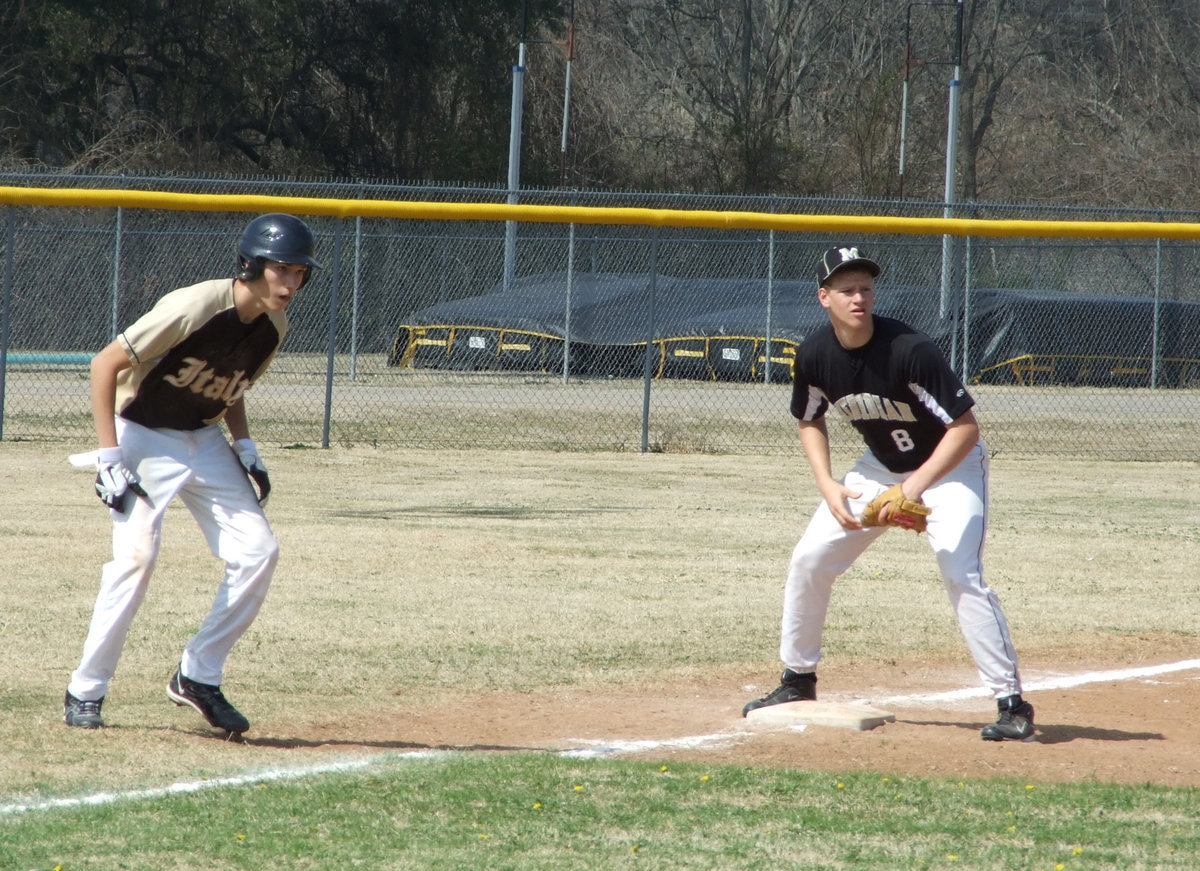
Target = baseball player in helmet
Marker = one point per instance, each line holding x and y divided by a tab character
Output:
160	392
893	385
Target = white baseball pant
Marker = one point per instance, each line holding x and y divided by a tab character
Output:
956	529
201	469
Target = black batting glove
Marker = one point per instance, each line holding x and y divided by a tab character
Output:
252	464
116	484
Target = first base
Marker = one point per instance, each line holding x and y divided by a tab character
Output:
847	716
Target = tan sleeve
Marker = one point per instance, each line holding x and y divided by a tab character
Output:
173	317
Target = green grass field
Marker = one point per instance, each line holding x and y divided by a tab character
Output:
412	578
534	811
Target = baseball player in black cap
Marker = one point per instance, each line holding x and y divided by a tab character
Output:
915	416
160	391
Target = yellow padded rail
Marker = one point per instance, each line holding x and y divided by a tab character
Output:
430	211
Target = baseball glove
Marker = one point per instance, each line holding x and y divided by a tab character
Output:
906	513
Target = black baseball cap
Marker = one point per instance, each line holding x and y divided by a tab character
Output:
843	257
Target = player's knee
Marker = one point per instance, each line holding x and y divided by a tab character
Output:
809	562
137	550
259	553
268	549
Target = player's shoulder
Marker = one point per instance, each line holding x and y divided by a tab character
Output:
894	328
819	339
214	294
901	335
213	288
201	300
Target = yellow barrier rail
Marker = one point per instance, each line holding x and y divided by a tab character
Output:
1030	369
420	210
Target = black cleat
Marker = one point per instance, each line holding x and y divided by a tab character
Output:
209	701
82	713
793	687
1015	723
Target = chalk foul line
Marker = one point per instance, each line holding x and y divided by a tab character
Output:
194	786
1061	682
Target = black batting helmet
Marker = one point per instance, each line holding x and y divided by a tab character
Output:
278	237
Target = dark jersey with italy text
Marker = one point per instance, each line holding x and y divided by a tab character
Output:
897	390
193	357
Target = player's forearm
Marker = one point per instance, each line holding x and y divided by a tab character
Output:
814	438
103	389
960	438
237	421
103	411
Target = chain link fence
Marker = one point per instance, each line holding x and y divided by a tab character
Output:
469	334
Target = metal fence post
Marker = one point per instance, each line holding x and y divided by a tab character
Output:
6	307
566	367
648	368
116	275
1157	313
966	354
354	299
333	305
770	302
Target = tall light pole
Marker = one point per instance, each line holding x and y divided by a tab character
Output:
951	186
562	153
904	97
951	140
514	149
909	62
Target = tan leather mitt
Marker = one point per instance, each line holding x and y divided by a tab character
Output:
906	513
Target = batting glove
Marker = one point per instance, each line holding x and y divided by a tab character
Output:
114	482
247	454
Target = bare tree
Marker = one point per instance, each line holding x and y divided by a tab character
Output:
708	93
1136	113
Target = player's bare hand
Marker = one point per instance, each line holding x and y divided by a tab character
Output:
837	497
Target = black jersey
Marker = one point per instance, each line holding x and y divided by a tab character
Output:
897	390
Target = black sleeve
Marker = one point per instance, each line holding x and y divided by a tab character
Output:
935	385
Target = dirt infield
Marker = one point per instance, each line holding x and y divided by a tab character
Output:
1129	730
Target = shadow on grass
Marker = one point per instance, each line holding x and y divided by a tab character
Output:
503	512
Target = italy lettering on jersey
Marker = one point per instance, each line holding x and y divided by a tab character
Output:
198	377
194	358
897	390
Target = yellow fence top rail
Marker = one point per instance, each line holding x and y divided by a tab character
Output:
420	210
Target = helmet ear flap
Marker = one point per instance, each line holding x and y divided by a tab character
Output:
250	268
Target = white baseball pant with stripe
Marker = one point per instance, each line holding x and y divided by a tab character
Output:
200	468
956	529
